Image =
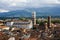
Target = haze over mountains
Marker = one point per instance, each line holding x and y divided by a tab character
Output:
27	12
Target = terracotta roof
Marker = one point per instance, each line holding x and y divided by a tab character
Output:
3	36
20	20
3	26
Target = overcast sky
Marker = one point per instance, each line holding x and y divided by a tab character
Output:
6	5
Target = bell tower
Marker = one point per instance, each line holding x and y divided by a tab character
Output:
34	18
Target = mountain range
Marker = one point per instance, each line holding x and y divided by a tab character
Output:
27	12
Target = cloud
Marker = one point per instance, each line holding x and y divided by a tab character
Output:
13	4
58	1
18	4
3	10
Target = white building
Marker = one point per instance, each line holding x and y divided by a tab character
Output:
20	24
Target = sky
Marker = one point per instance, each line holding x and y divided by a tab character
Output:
8	5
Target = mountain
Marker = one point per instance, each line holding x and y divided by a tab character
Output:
27	12
17	13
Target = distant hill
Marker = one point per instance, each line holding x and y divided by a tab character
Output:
43	11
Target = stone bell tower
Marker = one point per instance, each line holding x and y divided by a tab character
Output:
34	18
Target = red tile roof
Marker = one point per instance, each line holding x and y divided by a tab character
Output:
3	26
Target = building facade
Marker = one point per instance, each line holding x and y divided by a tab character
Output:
20	24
